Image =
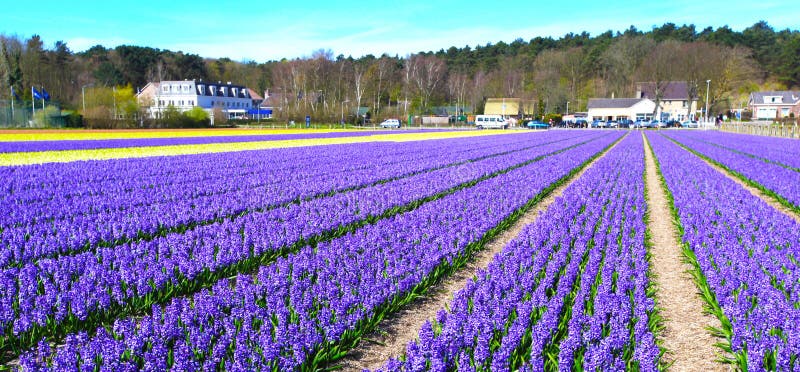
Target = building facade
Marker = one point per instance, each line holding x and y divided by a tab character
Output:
231	100
674	103
620	108
774	105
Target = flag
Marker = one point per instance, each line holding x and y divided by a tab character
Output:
14	94
36	94
45	95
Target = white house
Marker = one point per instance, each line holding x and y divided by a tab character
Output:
232	100
620	108
774	105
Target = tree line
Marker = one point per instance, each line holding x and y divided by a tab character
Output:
545	70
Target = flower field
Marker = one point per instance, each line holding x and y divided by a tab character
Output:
21	150
287	257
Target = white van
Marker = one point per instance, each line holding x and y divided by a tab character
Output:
490	121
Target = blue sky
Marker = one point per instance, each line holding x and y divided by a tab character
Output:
289	29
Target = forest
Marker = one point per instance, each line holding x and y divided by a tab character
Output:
572	68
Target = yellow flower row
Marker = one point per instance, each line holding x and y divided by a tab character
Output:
26	158
60	135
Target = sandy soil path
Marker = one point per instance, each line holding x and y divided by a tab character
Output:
690	346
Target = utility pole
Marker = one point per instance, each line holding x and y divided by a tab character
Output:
708	86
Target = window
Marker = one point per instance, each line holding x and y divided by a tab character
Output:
165	88
685	104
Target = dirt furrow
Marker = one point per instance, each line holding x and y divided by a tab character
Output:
395	332
689	344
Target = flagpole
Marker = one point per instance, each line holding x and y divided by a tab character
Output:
33	103
12	102
42	98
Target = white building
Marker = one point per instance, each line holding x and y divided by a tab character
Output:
231	100
620	108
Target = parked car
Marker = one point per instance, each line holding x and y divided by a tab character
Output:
626	123
653	124
598	124
580	123
612	124
673	124
690	124
390	123
537	124
640	124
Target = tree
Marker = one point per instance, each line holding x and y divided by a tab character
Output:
427	72
789	66
659	70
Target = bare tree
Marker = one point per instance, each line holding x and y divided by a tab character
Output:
457	89
427	74
359	83
659	70
621	60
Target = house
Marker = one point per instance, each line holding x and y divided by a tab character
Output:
774	105
502	106
620	108
674	103
232	100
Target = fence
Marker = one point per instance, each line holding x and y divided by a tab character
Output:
20	115
790	130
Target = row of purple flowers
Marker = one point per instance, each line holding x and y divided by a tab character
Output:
570	292
52	295
79	223
781	151
746	259
303	309
773	177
